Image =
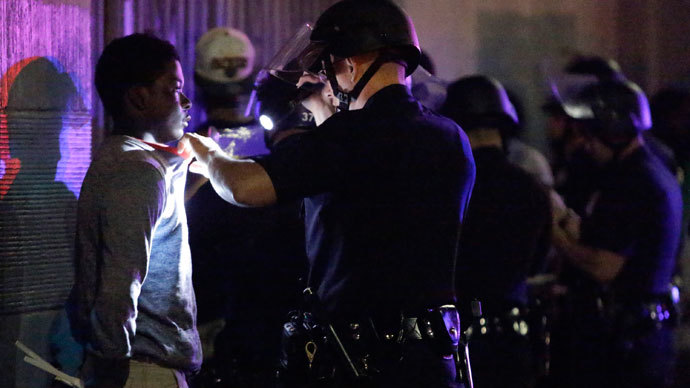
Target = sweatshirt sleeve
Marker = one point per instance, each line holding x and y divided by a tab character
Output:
132	201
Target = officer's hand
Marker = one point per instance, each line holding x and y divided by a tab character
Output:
202	148
211	132
566	230
564	217
321	103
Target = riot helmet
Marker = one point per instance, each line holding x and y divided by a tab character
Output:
353	27
614	111
604	69
480	102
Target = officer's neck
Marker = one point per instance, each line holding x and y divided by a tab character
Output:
390	73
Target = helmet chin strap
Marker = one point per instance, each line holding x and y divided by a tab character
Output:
359	86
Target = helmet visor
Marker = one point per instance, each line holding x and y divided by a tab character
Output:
277	84
297	56
571	91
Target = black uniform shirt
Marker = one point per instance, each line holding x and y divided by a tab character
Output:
637	214
386	188
505	236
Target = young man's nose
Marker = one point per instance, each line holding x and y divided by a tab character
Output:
185	103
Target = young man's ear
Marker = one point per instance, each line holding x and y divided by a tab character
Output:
136	97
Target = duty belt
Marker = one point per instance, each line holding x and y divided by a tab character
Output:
513	322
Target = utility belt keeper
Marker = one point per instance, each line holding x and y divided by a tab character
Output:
356	349
655	313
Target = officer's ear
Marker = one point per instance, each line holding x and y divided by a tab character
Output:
350	65
358	64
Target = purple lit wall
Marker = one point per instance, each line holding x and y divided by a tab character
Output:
45	149
45	143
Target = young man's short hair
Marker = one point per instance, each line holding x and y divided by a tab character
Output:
137	59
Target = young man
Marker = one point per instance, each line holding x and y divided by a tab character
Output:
385	186
134	295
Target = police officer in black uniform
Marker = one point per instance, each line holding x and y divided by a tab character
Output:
620	312
385	187
505	237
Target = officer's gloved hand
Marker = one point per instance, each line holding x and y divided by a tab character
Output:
565	220
323	102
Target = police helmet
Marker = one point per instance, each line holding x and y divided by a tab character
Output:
602	68
480	101
594	66
616	110
353	27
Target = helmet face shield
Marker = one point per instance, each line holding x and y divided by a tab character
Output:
276	95
570	91
297	56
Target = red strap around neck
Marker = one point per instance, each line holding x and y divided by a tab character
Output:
167	148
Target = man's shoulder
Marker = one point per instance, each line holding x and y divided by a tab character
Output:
643	174
123	166
120	154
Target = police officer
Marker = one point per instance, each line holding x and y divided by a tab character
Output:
385	187
505	237
623	258
574	171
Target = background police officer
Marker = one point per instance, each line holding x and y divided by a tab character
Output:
386	185
505	237
623	258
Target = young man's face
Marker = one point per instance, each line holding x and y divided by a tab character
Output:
167	105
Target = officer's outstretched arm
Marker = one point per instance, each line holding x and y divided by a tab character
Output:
240	182
603	265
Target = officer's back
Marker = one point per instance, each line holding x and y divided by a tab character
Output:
391	219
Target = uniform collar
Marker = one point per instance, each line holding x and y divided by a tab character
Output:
388	94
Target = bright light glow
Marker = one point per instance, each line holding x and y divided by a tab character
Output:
675	294
266	122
